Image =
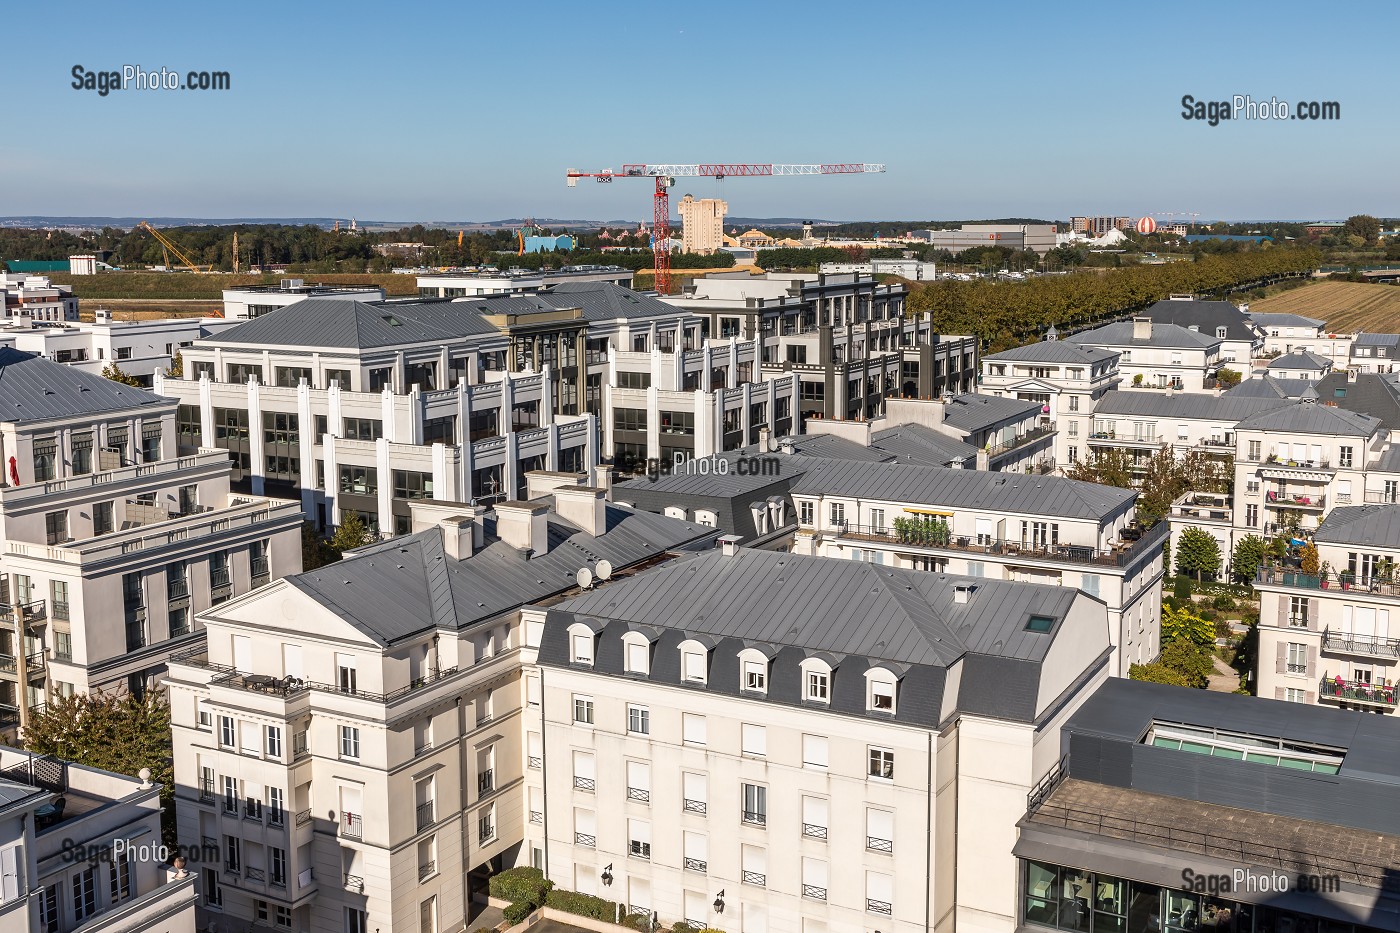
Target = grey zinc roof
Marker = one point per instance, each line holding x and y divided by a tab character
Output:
973	412
916	444
346	323
1300	359
33	388
1120	334
1271	387
1054	351
1371	525
408	585
1374	394
846	607
606	301
1376	340
1196	405
1283	319
13	792
1204	315
1311	418
1007	492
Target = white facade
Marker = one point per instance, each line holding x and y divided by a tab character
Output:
250	301
515	281
27	297
138	348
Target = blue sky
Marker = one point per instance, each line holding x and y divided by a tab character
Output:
470	111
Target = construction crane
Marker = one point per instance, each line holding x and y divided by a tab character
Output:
666	175
171	249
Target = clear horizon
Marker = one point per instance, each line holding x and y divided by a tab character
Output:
445	113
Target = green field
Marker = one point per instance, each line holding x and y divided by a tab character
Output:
189	285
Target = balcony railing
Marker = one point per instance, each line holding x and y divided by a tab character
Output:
254	874
696	864
814	892
427	870
537	817
536	762
1382	497
638	793
304	817
755	878
879	907
755	818
1294	501
355	883
352	825
586	839
813	831
696	806
1021	440
487	832
1348	643
1356	691
29	612
177	589
59	610
583	783
1019	550
8	663
876	844
206	790
425	814
486	781
1280	576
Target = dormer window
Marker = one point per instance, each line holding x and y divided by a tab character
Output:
753	670
694	662
880	689
581	644
816	681
636	653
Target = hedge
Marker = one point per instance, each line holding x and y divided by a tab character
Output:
522	885
518	911
585	905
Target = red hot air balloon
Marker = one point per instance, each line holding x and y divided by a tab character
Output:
1147	226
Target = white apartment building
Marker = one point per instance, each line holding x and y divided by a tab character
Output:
250	301
112	542
1374	353
138	348
853	757
1328	639
354	739
1285	333
1142	422
1158	356
1040	529
80	849
518	281
25	297
1241	339
1300	364
1066	378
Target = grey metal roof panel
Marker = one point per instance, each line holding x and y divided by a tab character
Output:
1283	319
1376	340
1312	418
1300	359
1007	492
1377	525
973	412
605	301
408	585
1271	387
1374	394
1196	405
1204	315
916	444
1120	334
346	323
33	388
1054	351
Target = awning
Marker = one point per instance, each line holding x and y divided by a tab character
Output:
941	512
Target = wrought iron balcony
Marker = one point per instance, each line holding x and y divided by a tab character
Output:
813	831
352	825
755	878
1368	645
585	839
425	814
583	783
879	907
876	844
814	892
1356	691
755	818
696	806
696	864
637	793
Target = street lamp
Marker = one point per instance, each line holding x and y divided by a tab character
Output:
719	902
607	875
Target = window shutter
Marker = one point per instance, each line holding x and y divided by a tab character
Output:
1282	657
1314	613
1312	660
1310	696
1282	611
1279	693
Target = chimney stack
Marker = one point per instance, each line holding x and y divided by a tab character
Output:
962	592
729	544
602	479
523	525
764	441
584	506
457	536
1142	328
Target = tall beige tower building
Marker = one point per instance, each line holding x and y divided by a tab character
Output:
702	224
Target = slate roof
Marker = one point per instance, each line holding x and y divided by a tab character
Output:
851	613
1206	316
1374	394
1300	359
408	585
1311	418
349	324
33	388
973	412
1054	351
1196	405
1370	525
1267	319
1007	492
1376	340
1120	334
1270	387
601	301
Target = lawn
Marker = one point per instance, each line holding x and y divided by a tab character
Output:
1347	307
186	285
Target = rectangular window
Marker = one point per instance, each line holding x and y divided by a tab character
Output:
754	740
1297	658
228	737
756	675
755	810
881	763
583	710
838	513
274	742
814	751
102	518
638	720
82	453
582	648
45	458
56	527
349	742
693	728
1346	457
363	429
1254	450
359	480
84	894
805	509
1298	611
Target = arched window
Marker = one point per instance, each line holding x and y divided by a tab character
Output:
816	681
675	511
636	653
582	640
695	662
753	670
705	517
881	687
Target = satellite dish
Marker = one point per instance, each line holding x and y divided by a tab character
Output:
584	578
604	569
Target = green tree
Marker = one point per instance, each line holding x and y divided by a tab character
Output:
119	732
1182	624
177	366
114	372
1308	561
1111	466
1157	673
1192	661
1228	378
316	551
352	533
1197	552
1249	553
1363	226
